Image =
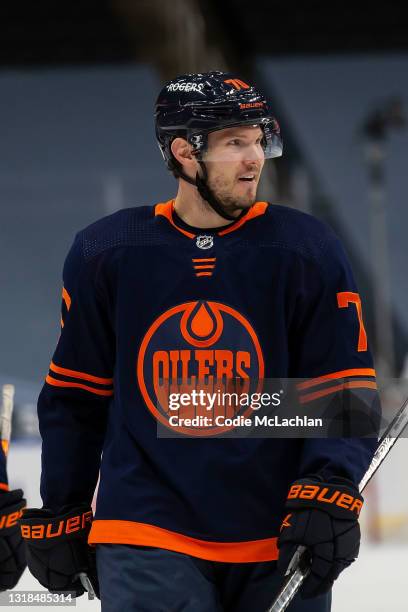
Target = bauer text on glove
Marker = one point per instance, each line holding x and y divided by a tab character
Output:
57	548
323	517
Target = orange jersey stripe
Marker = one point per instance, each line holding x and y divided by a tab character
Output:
352	384
5	446
166	210
341	374
82	375
207	267
142	534
259	208
4	486
66	297
202	259
204	274
62	383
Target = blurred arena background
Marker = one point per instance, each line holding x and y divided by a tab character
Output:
77	86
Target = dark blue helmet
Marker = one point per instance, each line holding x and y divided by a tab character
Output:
192	105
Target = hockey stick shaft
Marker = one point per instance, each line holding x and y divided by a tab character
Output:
6	413
299	574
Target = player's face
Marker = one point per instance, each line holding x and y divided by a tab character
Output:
234	164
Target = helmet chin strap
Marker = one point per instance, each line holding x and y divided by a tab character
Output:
206	193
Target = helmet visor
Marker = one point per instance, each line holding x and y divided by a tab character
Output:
245	141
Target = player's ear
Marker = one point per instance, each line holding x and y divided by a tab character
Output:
182	150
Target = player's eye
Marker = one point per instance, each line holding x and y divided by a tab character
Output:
235	142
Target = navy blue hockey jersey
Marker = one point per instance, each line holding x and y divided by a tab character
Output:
147	298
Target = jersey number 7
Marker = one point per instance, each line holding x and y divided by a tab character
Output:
344	298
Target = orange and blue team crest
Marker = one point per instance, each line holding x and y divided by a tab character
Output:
200	345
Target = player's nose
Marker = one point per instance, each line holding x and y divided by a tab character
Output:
253	155
253	165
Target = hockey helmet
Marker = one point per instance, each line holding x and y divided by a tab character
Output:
192	105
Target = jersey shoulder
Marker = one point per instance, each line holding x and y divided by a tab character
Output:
294	230
127	227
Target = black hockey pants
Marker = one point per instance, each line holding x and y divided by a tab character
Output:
142	579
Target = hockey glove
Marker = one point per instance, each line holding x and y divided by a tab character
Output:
12	548
323	516
57	548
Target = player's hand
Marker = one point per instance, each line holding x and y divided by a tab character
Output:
323	516
12	548
57	548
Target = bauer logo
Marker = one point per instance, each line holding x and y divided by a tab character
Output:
9	520
205	242
199	347
252	105
55	528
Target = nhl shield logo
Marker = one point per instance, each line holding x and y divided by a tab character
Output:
205	242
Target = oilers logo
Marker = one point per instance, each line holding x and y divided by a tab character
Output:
198	345
205	242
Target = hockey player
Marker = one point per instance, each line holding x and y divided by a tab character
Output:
212	284
12	548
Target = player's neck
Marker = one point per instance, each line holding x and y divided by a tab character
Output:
195	211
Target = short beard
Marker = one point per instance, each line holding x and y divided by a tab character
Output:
229	203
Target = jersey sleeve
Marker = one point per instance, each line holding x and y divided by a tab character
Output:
331	356
74	402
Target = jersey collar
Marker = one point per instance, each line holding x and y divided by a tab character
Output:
165	209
